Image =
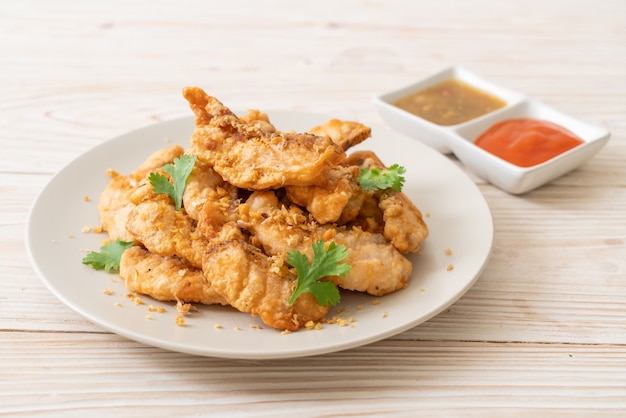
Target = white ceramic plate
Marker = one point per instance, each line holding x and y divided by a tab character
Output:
458	217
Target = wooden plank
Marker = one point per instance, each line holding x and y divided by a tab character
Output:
118	375
542	332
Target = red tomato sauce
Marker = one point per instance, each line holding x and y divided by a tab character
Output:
527	142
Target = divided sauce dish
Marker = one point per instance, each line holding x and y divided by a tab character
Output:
460	138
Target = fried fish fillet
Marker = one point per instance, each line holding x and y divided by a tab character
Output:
298	188
252	282
166	278
247	156
337	197
259	120
378	268
404	226
205	185
402	222
332	201
346	134
115	201
165	231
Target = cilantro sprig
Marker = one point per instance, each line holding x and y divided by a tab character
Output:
179	172
381	179
108	259
325	263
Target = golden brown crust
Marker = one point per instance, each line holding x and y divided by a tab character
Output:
251	158
252	282
346	134
117	199
401	221
163	230
166	278
254	194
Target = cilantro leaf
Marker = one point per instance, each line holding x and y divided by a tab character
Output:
325	263
179	172
161	185
381	179
108	258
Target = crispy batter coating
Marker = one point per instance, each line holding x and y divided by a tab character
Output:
402	222
254	194
165	231
404	226
333	201
115	205
346	134
378	268
166	278
205	185
250	158
252	282
338	196
258	120
116	200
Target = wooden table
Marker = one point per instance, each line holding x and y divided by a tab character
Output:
541	333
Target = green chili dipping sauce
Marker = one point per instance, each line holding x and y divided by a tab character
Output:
450	103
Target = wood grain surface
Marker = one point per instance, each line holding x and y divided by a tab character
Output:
542	332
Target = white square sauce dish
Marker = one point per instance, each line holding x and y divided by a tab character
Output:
508	139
